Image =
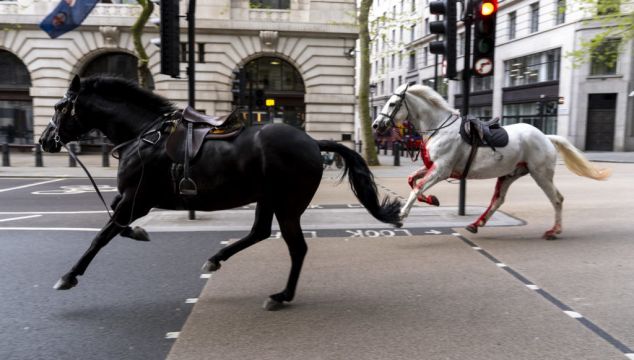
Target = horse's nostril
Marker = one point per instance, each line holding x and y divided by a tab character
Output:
375	126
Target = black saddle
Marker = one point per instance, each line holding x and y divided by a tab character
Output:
489	133
189	134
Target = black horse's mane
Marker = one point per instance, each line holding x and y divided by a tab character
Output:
118	88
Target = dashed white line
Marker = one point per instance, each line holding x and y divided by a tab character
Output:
205	276
48	229
20	218
573	314
172	335
30	185
532	287
500	265
476	248
630	356
191	301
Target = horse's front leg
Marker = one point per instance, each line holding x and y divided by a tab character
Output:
432	176
122	215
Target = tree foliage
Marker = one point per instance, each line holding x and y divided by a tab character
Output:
616	21
137	32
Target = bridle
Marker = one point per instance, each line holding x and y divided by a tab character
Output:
71	99
397	106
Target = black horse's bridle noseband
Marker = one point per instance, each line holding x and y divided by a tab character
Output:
397	107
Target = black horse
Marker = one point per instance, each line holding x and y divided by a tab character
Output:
276	166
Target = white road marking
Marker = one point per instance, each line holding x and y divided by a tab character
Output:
205	276
573	314
191	301
48	228
20	218
476	248
500	265
30	185
172	335
532	287
53	212
630	356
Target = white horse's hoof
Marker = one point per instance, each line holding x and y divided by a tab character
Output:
211	266
272	305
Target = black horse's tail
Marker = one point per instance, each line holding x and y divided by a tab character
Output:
363	185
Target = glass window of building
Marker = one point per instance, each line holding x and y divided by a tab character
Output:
541	114
604	58
533	68
425	56
16	106
412	61
560	16
534	17
442	87
512	25
270	4
607	7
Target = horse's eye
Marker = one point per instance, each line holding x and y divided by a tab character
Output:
64	110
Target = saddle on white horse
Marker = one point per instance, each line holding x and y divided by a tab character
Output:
476	132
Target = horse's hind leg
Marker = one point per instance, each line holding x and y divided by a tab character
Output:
261	230
501	188
294	238
545	181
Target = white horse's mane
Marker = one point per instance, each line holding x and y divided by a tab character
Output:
427	93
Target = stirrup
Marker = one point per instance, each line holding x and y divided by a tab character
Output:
187	187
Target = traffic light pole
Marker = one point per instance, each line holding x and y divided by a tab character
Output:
466	88
191	64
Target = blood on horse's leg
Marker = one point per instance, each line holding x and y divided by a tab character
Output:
411	180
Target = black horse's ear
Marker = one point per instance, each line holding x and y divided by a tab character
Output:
75	84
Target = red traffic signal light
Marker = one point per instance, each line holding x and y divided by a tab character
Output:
487	7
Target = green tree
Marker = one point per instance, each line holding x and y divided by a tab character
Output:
364	83
147	7
616	22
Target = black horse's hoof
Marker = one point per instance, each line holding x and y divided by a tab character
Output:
472	229
65	283
211	266
272	305
136	233
433	200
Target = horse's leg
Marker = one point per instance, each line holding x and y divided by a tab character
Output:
501	187
294	238
544	179
413	178
122	214
432	176
261	230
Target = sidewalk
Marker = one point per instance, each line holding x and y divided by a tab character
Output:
56	165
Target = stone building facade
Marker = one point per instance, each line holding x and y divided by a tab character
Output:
301	48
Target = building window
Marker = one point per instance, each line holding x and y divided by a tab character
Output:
604	58
16	106
481	83
270	4
560	16
400	80
400	60
533	68
201	53
412	61
392	85
413	5
402	38
425	56
393	36
393	61
512	25
412	33
607	7
540	114
461	44
534	17
382	87
426	28
442	87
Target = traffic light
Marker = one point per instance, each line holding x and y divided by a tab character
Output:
169	43
239	86
484	37
447	28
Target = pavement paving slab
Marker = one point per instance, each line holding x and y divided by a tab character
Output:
428	297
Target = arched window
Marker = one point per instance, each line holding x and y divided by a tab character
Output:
274	93
117	64
16	106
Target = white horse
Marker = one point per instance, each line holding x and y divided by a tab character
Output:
445	154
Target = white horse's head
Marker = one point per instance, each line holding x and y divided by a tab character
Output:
413	102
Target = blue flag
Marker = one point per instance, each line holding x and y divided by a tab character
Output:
68	15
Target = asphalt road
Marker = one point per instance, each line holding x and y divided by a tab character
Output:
131	297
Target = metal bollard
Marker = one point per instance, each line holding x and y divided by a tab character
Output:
397	153
192	214
39	161
105	158
6	160
360	146
385	149
71	160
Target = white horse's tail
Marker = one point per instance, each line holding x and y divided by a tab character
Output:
575	161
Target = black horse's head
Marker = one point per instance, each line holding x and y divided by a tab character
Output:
65	126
